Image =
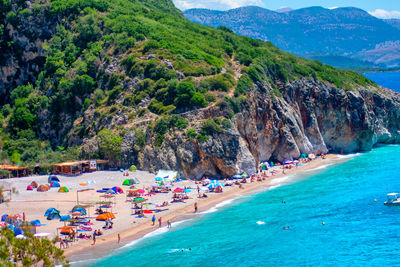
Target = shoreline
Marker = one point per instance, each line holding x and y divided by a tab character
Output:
105	245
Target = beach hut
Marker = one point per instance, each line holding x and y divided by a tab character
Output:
29	188
128	182
34	184
63	189
117	190
53	178
54	184
42	188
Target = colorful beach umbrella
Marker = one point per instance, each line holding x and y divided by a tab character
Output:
139	200
178	190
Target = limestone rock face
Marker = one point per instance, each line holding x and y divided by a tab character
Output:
309	117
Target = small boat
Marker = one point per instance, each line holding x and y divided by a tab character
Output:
393	199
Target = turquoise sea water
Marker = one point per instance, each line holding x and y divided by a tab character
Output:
358	231
249	232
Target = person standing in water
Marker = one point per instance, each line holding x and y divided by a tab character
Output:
168	224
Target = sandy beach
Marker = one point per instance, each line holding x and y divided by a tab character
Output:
128	226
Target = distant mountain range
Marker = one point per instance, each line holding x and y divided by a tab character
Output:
343	37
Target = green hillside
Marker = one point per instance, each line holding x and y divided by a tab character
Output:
140	58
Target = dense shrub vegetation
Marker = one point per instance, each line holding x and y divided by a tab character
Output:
111	56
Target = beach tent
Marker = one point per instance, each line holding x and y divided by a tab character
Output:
34	184
128	182
4	217
52	214
63	189
54	184
168	176
65	218
29	188
42	188
117	190
79	209
53	178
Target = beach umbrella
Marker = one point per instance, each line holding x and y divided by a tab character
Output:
147	211
29	188
207	181
237	176
187	190
21	236
211	185
178	190
245	175
141	191
168	185
134	187
311	156
286	161
139	200
159	179
83	184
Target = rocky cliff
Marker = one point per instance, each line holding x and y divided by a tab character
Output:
310	117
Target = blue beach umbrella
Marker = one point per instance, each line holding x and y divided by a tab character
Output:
237	176
158	179
187	190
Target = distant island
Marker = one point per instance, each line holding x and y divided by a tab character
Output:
348	38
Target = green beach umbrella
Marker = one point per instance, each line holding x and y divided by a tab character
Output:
139	200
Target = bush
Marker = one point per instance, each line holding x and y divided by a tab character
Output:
161	126
226	124
210	127
202	138
198	100
159	139
210	98
191	133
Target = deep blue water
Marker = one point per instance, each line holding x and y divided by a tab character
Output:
358	231
389	80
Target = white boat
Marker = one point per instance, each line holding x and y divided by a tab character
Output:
393	199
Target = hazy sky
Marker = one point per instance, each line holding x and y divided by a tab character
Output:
381	8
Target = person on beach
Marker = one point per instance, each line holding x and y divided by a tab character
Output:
153	219
119	238
94	237
62	245
168	224
159	222
195	207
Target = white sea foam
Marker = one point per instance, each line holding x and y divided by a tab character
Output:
348	156
260	222
159	231
218	206
280	181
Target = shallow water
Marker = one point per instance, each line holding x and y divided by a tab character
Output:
249	231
